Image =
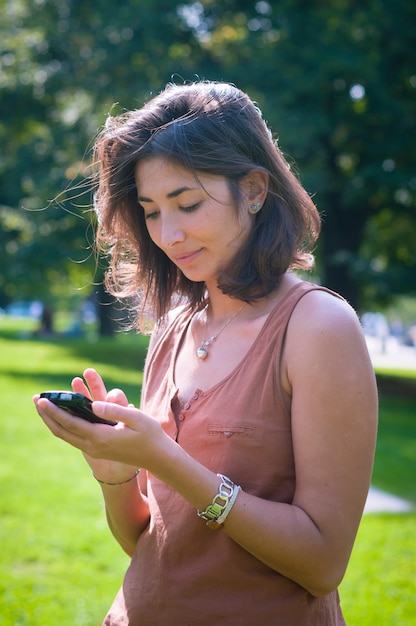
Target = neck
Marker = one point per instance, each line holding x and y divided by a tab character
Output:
216	314
220	306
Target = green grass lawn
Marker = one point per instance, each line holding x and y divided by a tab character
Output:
59	563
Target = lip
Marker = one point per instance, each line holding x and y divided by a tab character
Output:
186	257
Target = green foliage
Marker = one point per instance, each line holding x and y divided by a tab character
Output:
404	308
335	80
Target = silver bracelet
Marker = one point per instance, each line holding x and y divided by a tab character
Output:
229	506
216	513
123	482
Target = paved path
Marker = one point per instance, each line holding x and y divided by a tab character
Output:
379	501
391	353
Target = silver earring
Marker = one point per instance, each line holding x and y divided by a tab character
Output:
255	208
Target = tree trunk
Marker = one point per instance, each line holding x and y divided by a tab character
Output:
106	312
340	244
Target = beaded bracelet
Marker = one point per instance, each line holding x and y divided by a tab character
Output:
216	513
123	482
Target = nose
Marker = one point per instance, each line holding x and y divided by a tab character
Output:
171	232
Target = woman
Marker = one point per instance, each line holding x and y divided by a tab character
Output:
259	405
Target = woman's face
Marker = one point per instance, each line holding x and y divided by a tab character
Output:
195	222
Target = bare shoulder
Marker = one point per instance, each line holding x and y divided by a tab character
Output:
324	312
329	376
325	332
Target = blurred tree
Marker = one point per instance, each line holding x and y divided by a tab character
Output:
65	64
335	80
40	153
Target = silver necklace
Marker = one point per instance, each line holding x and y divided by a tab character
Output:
202	351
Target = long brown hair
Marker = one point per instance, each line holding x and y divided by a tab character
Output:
205	127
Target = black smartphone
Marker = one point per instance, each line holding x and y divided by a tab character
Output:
77	404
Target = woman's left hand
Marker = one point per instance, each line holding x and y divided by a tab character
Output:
113	452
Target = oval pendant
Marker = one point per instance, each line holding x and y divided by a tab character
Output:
201	353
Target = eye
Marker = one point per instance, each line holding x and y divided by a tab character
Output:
190	208
151	216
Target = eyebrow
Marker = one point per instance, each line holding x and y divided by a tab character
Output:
172	194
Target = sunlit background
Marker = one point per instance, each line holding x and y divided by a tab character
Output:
336	82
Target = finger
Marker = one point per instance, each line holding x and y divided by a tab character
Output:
79	386
117	396
95	384
108	410
62	424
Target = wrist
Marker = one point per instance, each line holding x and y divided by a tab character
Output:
116	483
217	512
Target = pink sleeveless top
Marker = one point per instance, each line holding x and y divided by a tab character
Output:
182	573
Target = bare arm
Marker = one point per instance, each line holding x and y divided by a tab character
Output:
127	512
126	506
334	419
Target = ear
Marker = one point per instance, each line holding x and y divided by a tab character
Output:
254	187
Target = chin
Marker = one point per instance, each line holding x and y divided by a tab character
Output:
201	274
196	277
